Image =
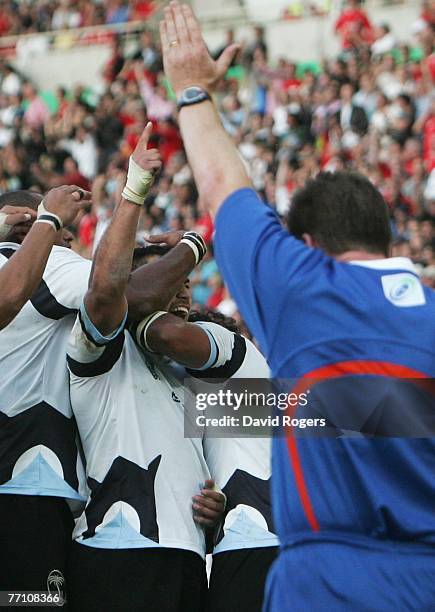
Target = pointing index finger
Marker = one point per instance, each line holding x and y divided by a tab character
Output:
145	136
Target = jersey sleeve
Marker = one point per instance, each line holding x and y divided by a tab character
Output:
89	353
64	284
261	262
227	353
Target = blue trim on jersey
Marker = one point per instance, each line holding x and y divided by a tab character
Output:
245	533
39	478
93	332
118	533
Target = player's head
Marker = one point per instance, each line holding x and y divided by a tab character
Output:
341	212
29	199
182	302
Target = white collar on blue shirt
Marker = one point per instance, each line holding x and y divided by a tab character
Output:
391	263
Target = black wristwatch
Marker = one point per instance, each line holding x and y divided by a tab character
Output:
192	95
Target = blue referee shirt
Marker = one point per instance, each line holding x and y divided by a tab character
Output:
316	317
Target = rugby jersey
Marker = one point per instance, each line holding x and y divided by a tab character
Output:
38	452
241	467
141	471
316	317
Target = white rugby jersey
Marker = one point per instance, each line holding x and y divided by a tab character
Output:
141	471
38	452
241	467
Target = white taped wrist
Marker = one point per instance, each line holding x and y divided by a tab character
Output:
46	216
142	328
196	242
138	183
194	249
5	228
48	222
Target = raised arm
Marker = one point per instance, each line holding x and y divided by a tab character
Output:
153	286
21	275
216	165
105	301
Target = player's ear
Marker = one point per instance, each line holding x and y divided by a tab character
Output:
309	240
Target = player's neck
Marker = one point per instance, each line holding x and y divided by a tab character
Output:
358	256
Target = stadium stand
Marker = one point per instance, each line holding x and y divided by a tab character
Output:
371	109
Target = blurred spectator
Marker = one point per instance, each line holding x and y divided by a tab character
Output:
72	175
36	113
384	40
258	44
117	11
351	117
353	26
83	149
115	62
10	81
65	16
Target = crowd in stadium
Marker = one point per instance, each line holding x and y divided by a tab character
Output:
43	16
371	109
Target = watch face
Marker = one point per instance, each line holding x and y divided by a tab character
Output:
191	93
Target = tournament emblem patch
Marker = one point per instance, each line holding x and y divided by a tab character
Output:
403	290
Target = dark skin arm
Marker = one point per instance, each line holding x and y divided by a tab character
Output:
153	286
21	275
183	342
105	299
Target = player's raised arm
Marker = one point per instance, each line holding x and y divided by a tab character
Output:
105	302
20	276
216	165
153	286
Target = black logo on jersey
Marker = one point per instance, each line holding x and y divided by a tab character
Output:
152	368
128	482
41	424
244	488
176	398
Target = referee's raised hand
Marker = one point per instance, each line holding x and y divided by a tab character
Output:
186	58
66	201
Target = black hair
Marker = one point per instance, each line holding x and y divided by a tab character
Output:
213	316
30	199
342	211
141	253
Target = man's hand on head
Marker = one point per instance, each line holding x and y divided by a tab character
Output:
209	506
170	239
186	58
65	202
15	221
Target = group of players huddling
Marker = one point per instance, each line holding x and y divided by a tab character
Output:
151	497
